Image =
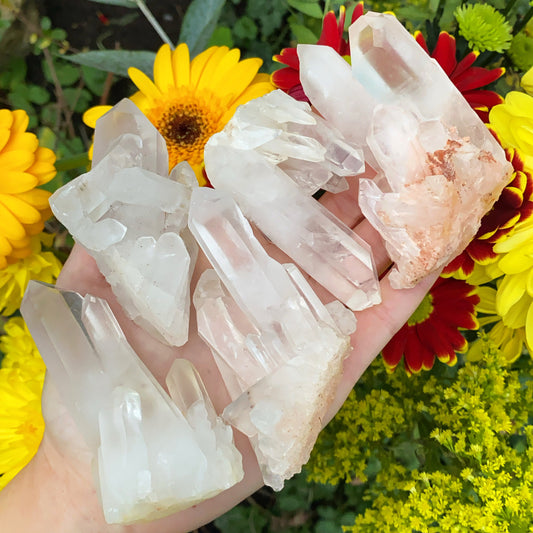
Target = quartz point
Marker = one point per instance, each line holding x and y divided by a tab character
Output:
278	348
289	134
439	169
132	218
310	234
152	457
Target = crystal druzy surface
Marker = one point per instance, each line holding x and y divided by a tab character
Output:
132	218
153	457
279	350
438	168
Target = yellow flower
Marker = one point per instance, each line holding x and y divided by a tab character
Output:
24	165
513	122
527	82
189	101
41	266
21	383
514	297
508	339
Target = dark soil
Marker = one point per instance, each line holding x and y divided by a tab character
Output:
93	25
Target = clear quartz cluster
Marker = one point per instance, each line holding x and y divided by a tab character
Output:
437	169
279	350
153	456
132	218
309	233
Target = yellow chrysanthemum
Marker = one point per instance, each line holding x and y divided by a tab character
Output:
24	165
41	266
513	122
189	101
21	383
514	297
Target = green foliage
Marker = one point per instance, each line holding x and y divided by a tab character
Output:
199	23
115	61
448	450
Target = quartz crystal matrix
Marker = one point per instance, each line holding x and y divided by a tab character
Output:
247	160
279	350
436	168
153	457
132	218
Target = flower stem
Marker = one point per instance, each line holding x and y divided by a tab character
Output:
152	20
525	19
72	162
509	7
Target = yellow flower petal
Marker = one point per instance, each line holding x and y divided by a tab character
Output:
163	76
6	119
181	65
94	113
10	227
22	210
516	316
199	62
5	246
20	121
509	292
144	83
22	141
218	69
239	77
487	300
38	198
16	160
17	182
529	327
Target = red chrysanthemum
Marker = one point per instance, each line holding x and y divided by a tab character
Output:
467	78
288	78
514	205
433	329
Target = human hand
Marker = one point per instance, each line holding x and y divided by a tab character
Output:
62	467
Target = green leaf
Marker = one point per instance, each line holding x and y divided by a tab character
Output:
307	8
303	34
94	79
327	526
199	23
269	13
78	100
123	3
221	37
245	28
116	61
38	95
66	73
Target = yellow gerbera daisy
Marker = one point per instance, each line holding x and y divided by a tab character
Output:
21	383
527	82
41	266
189	101
24	165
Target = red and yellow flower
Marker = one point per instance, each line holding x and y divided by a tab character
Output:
514	205
433	330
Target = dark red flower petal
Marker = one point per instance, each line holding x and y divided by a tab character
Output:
330	32
421	41
444	52
462	262
483	98
285	78
358	11
393	351
465	63
289	57
476	77
414	353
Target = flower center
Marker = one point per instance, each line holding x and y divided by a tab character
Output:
186	120
422	312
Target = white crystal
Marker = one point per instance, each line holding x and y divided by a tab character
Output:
153	458
306	231
443	168
289	134
277	347
133	221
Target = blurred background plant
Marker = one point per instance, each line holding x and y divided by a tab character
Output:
442	446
